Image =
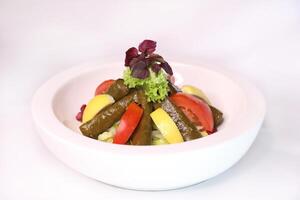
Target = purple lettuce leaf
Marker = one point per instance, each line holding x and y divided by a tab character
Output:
130	54
147	46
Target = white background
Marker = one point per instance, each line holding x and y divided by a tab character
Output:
258	39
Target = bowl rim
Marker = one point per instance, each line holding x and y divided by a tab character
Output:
47	122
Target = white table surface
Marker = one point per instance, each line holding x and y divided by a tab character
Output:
258	39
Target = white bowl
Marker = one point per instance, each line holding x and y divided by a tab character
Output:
56	103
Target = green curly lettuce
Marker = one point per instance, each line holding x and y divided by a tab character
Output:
155	86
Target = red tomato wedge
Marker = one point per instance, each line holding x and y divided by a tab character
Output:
195	109
104	86
129	121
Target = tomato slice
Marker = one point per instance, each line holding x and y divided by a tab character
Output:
195	109
129	121
104	86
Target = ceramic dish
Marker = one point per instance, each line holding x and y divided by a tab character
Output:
148	167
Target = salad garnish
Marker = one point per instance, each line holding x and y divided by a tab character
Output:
145	70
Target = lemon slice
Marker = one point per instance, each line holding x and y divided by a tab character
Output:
166	126
188	89
95	105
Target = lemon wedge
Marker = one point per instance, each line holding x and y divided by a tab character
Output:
166	126
95	105
188	89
